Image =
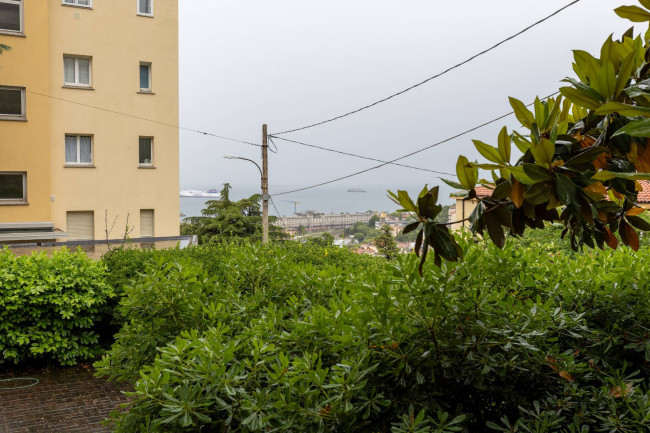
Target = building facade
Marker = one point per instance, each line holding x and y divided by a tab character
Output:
318	222
88	117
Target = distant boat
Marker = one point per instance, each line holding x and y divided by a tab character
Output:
212	193
357	190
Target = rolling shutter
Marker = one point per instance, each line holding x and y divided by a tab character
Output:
146	223
80	226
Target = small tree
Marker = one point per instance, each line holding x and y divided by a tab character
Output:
386	244
224	219
373	219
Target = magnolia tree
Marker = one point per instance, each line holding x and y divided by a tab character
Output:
584	152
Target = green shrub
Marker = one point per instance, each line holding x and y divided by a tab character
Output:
49	306
279	338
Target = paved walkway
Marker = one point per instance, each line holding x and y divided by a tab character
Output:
69	400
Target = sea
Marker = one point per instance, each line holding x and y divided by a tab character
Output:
324	199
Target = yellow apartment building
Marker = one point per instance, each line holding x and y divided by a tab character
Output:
88	108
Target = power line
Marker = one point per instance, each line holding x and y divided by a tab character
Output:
433	77
147	120
361	156
277	212
496	119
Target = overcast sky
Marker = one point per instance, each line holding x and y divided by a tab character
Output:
289	63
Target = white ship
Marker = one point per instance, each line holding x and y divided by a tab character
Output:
211	193
357	190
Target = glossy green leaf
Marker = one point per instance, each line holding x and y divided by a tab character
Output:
586	90
520	174
406	202
536	172
606	77
604	175
522	113
490	153
539	193
504	145
638	222
495	229
578	98
636	128
633	13
623	110
453	184
543	152
589	67
467	175
627	67
567	192
586	156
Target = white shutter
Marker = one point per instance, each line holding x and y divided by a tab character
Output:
80	226
146	223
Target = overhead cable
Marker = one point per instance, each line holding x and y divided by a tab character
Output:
147	120
361	156
496	119
433	77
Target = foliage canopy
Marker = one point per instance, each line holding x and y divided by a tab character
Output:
583	153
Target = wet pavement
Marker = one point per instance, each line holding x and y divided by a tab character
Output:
69	400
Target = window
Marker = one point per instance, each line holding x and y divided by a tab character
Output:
12	103
78	150
145	7
11	16
13	187
76	71
145	77
84	3
80	225
146	151
146	223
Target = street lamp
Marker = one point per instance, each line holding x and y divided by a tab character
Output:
265	197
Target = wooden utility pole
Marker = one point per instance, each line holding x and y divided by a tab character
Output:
265	185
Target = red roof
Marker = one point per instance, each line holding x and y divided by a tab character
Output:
644	196
482	191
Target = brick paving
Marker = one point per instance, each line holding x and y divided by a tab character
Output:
69	400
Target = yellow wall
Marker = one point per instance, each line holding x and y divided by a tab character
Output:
464	209
118	40
24	145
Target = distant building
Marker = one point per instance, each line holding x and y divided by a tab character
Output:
643	199
464	208
67	155
312	221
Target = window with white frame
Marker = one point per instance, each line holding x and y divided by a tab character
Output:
145	77
146	151
11	16
13	187
145	7
77	71
84	3
12	103
78	150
